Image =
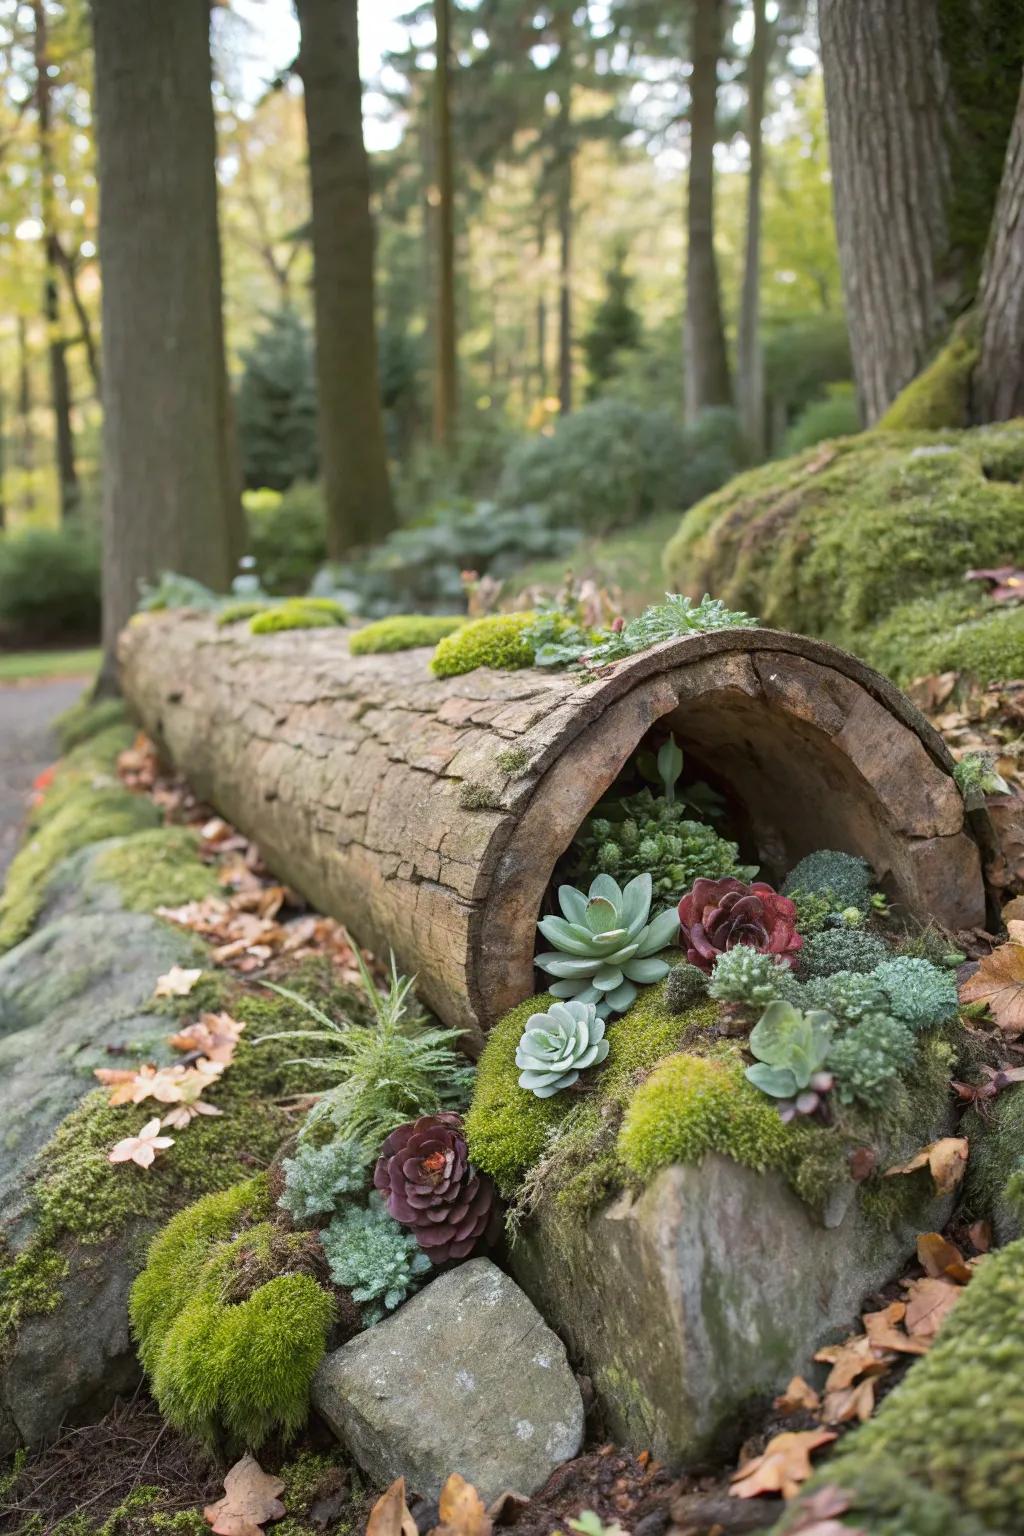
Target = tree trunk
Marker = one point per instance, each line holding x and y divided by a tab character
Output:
446	383
170	496
564	173
997	390
27	454
750	358
69	267
706	360
378	791
60	384
353	453
892	126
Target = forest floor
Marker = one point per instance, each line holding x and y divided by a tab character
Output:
628	562
27	746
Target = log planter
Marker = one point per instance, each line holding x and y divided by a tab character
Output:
428	814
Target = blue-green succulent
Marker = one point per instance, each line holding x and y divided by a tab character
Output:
604	945
558	1045
791	1050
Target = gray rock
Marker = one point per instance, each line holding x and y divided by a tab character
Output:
701	1297
465	1378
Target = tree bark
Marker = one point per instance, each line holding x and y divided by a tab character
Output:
446	383
60	383
26	436
997	389
378	791
70	269
750	358
706	360
170	494
353	454
564	173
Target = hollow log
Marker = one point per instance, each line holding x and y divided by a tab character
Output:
428	814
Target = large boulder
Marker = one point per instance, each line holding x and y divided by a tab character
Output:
698	1299
465	1378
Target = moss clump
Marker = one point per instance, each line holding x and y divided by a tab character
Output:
79	1195
692	1105
954	1426
939	396
244	608
506	1126
834	549
993	1185
404	632
478	797
513	760
240	1368
157	868
841	949
299	613
87	718
496	641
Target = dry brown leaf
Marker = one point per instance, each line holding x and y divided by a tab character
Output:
852	1359
851	1403
928	1303
815	1514
799	1397
999	983
250	1501
883	1332
980	1234
177	982
947	1159
461	1510
937	1256
214	1034
784	1464
143	1148
390	1515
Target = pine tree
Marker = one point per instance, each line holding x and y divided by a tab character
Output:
277	405
616	326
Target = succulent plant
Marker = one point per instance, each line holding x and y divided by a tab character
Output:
791	1049
752	978
919	993
717	915
558	1045
431	1187
604	944
685	988
868	1058
316	1178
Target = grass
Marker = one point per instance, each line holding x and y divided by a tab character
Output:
629	560
17	666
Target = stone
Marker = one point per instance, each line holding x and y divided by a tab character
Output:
467	1378
696	1301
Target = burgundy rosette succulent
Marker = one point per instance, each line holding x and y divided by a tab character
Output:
716	915
431	1187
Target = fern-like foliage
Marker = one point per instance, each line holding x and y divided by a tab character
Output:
389	1071
373	1257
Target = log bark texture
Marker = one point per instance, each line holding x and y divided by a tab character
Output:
428	815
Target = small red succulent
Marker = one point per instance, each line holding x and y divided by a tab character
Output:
431	1187
716	915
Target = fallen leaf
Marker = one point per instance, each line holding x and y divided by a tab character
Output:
250	1501
506	1508
461	1509
215	1035
851	1403
815	1514
784	1464
937	1256
183	1114
390	1515
143	1148
999	983
799	1397
854	1358
177	982
946	1158
883	1333
928	1303
980	1234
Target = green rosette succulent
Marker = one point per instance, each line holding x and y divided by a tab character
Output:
605	947
558	1045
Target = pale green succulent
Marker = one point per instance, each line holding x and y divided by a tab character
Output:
604	944
558	1045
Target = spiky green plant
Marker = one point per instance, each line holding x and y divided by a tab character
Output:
392	1070
605	945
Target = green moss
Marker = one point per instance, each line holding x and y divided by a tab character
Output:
86	718
298	613
244	608
219	1366
478	797
940	394
997	1161
157	868
404	632
496	641
507	1127
954	1427
832	550
513	760
79	1195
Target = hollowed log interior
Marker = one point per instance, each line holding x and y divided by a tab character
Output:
430	815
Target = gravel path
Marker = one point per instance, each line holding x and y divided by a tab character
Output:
27	745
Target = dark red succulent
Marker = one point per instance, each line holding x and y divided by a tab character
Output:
431	1187
716	915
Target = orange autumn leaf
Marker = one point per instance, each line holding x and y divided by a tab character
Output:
250	1501
883	1332
799	1397
214	1034
928	1304
783	1465
851	1403
939	1257
390	1515
461	1510
946	1158
852	1359
999	983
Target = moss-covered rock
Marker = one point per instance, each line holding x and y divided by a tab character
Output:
496	641
942	1456
230	1319
939	396
404	632
833	545
87	717
299	613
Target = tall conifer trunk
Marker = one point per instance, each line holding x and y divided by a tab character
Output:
706	361
353	455
750	358
446	382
